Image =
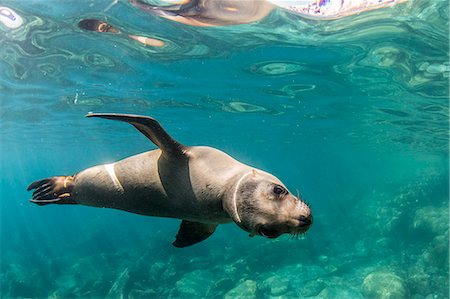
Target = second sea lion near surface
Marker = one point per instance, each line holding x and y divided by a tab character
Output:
201	185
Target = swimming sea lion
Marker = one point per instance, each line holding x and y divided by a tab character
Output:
201	185
210	12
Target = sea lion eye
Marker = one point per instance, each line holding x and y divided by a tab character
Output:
277	189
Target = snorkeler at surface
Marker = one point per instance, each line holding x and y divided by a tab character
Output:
101	26
235	12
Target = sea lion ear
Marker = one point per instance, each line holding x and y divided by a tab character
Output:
193	232
151	128
254	173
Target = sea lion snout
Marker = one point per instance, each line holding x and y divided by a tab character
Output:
299	226
305	221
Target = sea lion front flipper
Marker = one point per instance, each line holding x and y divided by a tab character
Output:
151	128
193	232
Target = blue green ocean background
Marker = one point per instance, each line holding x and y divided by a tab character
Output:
351	113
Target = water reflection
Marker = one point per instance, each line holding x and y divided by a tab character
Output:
276	68
10	18
210	12
235	12
101	26
329	10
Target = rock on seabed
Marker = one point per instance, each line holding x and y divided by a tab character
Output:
384	285
246	289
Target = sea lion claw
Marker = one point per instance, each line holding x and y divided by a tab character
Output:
193	232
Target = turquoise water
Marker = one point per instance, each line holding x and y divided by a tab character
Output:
352	113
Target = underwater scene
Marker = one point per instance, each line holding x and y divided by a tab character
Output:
348	107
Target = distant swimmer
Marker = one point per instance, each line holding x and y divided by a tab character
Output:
201	185
10	18
101	26
210	12
332	9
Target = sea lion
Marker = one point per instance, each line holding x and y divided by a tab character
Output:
201	185
210	12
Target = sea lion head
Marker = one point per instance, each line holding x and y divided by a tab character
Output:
262	205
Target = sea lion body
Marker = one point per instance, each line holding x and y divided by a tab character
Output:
201	185
148	185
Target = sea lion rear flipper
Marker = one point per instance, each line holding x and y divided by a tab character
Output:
57	189
193	232
151	129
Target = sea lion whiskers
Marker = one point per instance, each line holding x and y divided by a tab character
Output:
297	235
300	197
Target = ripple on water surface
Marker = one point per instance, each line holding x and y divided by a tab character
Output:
276	68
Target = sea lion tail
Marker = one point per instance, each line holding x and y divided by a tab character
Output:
57	189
